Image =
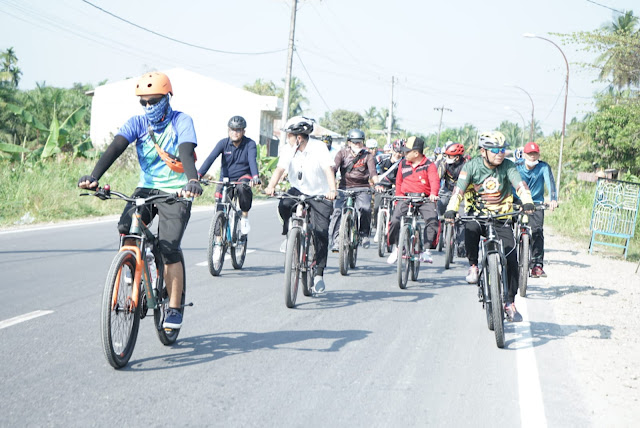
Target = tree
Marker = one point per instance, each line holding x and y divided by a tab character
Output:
342	121
10	72
296	93
512	132
262	87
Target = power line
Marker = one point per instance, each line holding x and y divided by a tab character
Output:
180	41
311	80
606	7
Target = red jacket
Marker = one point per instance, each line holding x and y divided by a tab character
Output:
422	178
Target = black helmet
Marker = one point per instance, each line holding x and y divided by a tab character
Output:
299	125
355	134
237	122
327	139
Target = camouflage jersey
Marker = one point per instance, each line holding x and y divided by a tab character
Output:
491	186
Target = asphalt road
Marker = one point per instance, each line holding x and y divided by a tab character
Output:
363	354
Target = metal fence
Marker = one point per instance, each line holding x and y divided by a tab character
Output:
615	211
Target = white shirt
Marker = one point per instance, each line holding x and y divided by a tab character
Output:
306	168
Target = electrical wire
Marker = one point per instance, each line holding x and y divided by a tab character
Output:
311	80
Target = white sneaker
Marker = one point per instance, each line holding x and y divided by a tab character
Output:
245	227
375	238
425	257
318	286
393	257
283	246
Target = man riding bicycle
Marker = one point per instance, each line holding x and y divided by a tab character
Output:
238	164
165	141
417	177
387	173
356	166
449	168
491	177
309	168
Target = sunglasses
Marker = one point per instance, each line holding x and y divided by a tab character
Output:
496	151
150	101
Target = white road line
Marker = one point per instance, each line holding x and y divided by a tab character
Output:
22	318
227	257
530	395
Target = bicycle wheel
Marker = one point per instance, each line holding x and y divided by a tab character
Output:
170	335
120	318
497	307
523	264
354	244
486	297
440	233
416	250
404	257
292	266
217	243
239	248
309	273
345	243
448	245
380	232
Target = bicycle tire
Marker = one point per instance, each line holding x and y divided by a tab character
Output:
353	247
310	271
170	335
217	230
439	237
292	267
497	307
416	250
448	245
380	232
404	257
345	239
119	324
523	264
239	249
483	282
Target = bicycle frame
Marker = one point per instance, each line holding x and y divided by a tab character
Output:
412	214
229	205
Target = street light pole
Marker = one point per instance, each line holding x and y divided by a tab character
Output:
523	122
564	114
532	110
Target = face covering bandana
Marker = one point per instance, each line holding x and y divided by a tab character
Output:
159	114
356	150
531	163
451	161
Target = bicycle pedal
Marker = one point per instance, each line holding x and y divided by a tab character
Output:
187	304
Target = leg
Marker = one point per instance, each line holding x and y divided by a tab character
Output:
536	222
245	197
320	215
472	241
399	211
334	224
428	213
284	209
363	204
505	233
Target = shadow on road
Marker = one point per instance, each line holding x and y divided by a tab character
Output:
341	298
544	332
555	292
211	347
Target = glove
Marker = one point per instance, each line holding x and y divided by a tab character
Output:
91	179
450	215
255	181
528	207
193	187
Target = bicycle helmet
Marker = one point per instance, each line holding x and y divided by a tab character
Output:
398	145
237	122
299	125
154	83
492	140
437	151
518	153
372	144
454	149
355	134
327	139
387	148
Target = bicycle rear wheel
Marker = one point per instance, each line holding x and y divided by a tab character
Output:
239	248
486	297
345	244
217	243
170	335
497	306
120	318
292	266
448	245
380	232
523	264
440	233
309	273
416	250
404	257
353	246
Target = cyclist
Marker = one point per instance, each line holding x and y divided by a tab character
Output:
536	174
417	177
309	167
165	140
449	168
328	140
491	177
372	147
238	164
356	166
388	170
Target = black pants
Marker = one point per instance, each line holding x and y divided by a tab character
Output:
245	194
362	204
504	231
320	215
427	211
536	222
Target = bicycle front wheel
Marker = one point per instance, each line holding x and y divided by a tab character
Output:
292	266
217	243
239	248
120	315
345	243
497	306
416	250
404	257
448	245
523	264
170	335
310	268
441	241
381	232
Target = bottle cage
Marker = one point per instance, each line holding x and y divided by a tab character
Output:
172	161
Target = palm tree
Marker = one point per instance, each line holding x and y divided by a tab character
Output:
10	71
296	96
620	61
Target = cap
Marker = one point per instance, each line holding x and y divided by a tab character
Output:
414	143
531	147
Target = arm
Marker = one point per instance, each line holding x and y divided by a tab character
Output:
551	185
115	149
277	174
458	192
371	166
211	158
522	190
434	182
253	155
399	191
331	179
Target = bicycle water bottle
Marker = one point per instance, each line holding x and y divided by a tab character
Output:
151	261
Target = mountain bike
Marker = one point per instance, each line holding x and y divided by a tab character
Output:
300	256
349	234
493	283
522	234
383	223
410	241
135	283
224	231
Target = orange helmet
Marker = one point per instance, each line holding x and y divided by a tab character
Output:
154	83
454	149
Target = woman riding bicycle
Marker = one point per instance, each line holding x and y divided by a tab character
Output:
449	168
491	177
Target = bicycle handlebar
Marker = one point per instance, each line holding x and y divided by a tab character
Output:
285	195
105	193
224	183
489	216
355	190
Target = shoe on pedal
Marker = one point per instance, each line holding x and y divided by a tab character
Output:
425	257
245	227
318	286
472	275
365	242
536	272
512	313
283	246
335	248
172	319
393	257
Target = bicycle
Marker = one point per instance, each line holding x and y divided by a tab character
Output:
522	234
224	231
383	223
349	234
492	278
300	255
410	241
449	236
133	285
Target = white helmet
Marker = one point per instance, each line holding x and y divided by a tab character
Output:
299	125
372	143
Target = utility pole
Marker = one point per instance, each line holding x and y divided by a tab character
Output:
390	118
287	79
442	109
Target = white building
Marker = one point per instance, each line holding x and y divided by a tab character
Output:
210	104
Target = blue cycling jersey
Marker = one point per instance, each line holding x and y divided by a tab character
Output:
536	179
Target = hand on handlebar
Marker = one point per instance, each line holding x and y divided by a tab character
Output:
553	205
450	216
270	191
331	195
433	198
190	190
88	182
528	208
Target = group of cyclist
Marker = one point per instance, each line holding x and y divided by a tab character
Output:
165	140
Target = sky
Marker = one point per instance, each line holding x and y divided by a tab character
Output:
457	54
